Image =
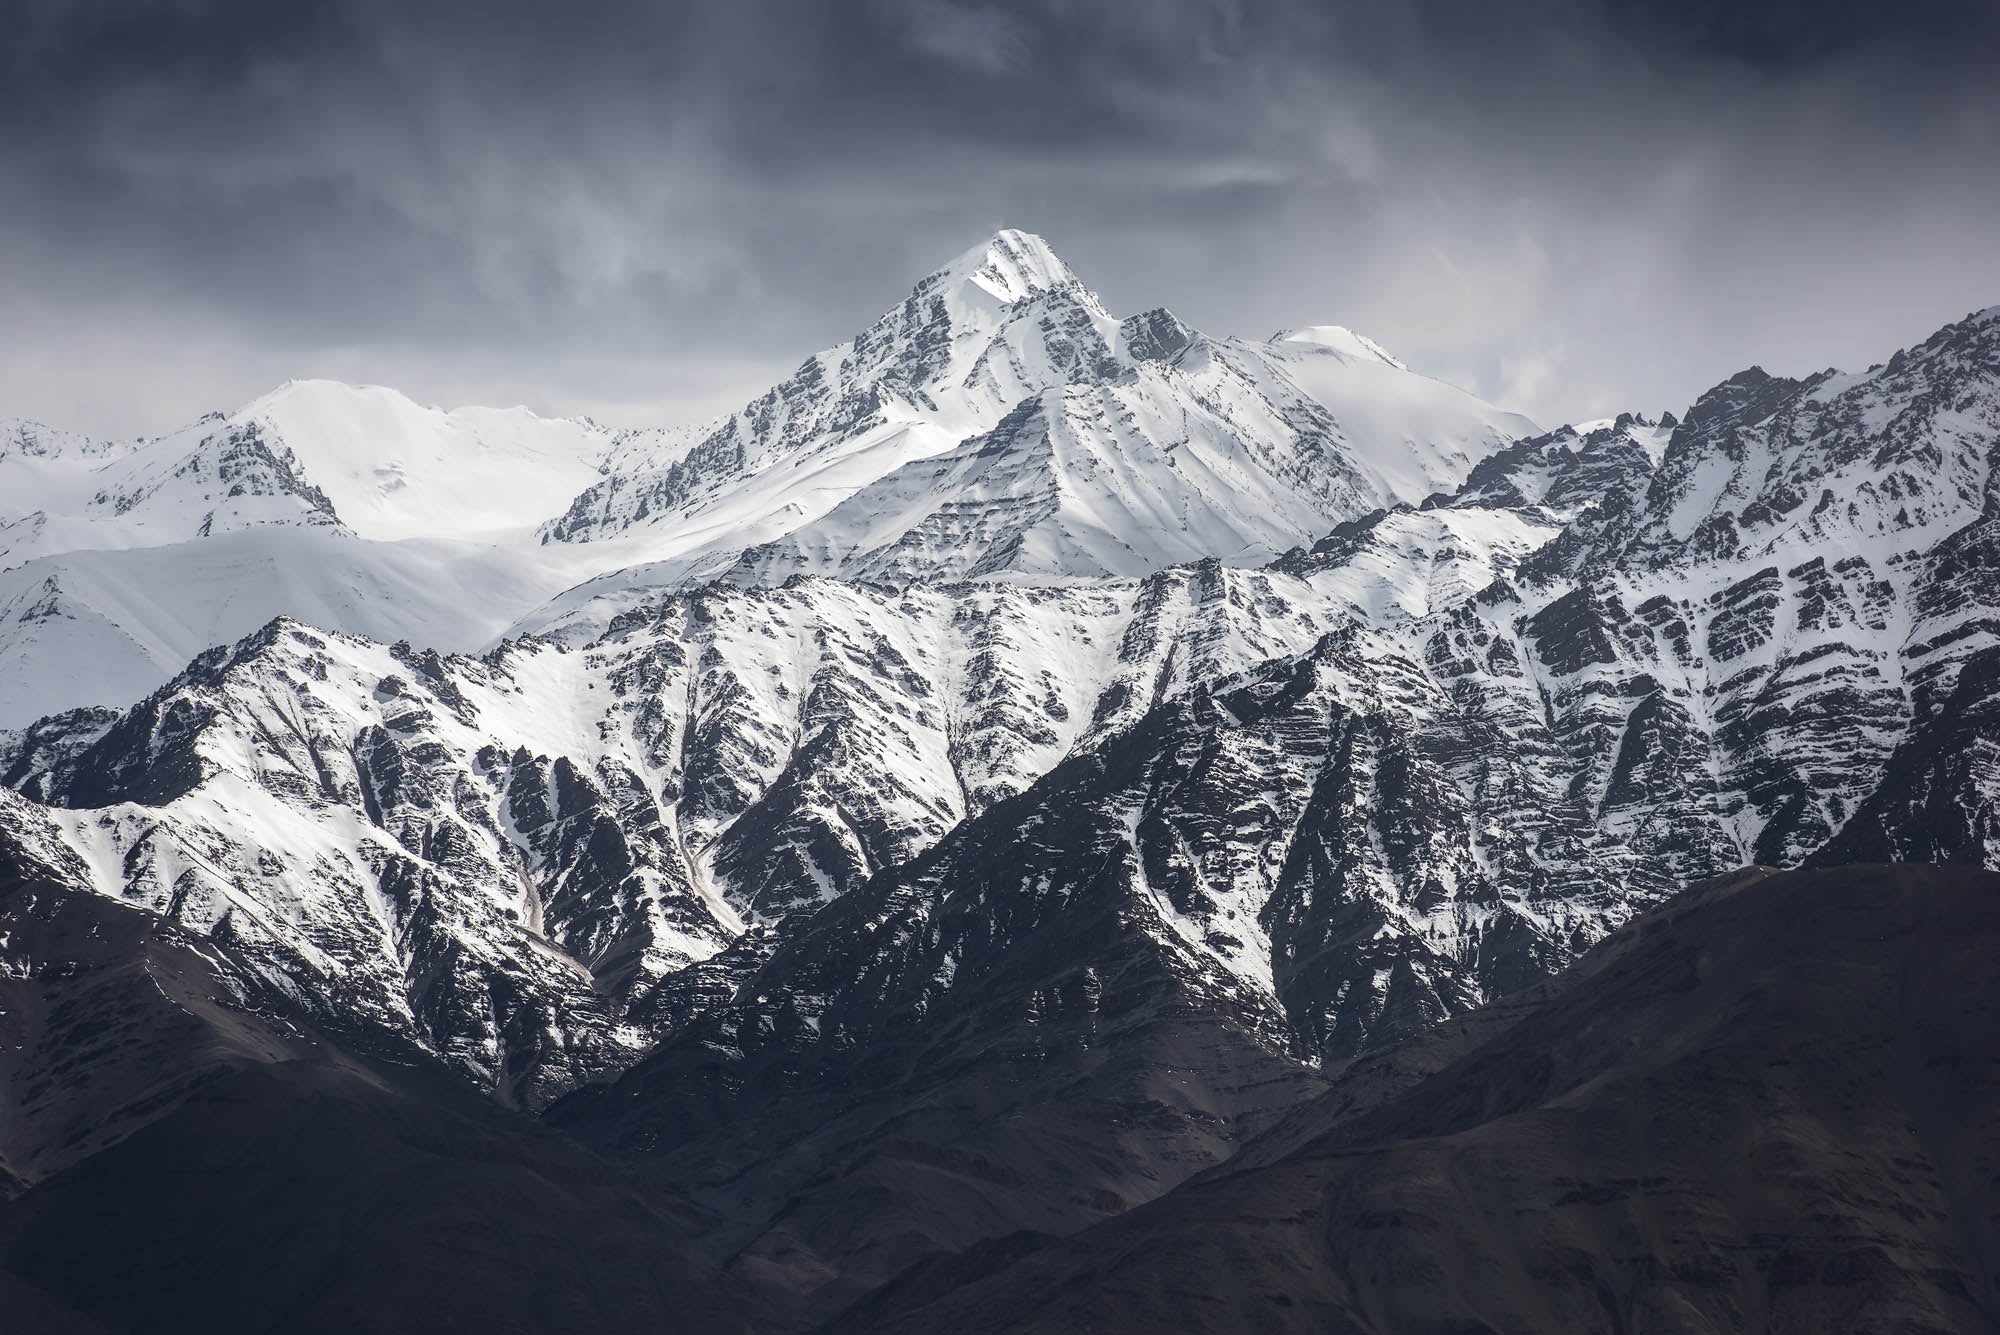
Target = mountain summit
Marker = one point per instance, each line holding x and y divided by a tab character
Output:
1000	423
1010	266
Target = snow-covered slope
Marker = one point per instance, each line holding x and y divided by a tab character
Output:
347	506
312	453
393	469
47	478
1409	435
108	627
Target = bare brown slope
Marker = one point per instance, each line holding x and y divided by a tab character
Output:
1772	1105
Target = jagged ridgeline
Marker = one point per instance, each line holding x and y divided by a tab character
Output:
977	784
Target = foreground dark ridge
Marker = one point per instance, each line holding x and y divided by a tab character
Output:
1771	1104
208	1161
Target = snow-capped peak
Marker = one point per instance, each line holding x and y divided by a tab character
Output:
1010	265
1342	340
1000	422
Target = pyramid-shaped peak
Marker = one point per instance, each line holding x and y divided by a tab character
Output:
1011	265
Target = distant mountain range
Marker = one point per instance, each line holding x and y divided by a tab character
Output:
997	774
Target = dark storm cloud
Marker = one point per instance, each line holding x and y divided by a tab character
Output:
648	209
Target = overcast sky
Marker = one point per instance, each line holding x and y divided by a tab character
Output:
648	212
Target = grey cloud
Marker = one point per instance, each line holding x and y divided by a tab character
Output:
983	38
649	210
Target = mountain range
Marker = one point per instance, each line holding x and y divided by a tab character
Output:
1024	761
997	423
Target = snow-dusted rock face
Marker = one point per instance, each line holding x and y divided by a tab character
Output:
517	858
